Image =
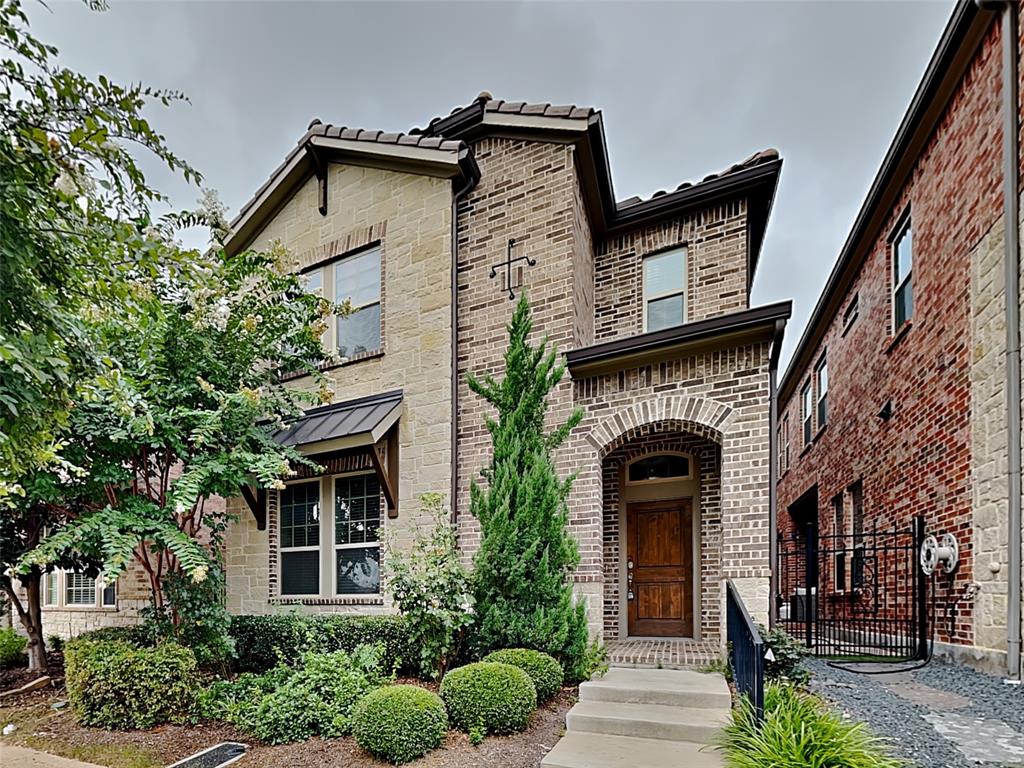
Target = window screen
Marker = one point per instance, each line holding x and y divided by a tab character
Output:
300	572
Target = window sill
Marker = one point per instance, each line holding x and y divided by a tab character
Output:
900	335
80	608
331	366
354	600
806	449
819	433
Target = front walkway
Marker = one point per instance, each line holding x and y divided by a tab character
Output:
662	652
22	757
940	716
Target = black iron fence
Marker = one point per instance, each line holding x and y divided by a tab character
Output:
746	650
859	594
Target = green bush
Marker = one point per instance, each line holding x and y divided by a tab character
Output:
12	647
112	684
788	653
798	729
497	698
264	642
290	704
399	723
545	671
139	635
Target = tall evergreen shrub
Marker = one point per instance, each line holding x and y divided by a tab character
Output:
522	571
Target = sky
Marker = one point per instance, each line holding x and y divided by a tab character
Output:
686	89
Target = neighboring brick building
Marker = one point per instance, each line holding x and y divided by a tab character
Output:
895	404
649	300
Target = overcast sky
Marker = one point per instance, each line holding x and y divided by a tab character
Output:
686	89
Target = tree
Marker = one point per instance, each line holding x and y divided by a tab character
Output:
526	558
185	413
74	210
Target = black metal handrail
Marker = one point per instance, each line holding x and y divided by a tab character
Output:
746	650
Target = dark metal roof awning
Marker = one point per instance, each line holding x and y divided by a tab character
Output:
336	427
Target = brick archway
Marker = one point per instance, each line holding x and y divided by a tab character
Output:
697	415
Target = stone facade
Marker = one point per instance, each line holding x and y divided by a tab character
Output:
942	454
585	287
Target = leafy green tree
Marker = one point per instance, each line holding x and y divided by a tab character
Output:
186	412
74	209
526	558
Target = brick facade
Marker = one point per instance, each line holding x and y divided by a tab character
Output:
710	401
942	453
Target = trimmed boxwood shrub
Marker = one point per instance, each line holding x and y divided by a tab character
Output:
488	696
263	642
112	684
399	723
544	670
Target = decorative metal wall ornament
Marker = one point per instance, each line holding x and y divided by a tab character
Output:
508	264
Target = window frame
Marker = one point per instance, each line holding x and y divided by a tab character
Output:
821	398
282	550
58	578
335	547
904	228
851	313
327	588
784	445
660	480
373	248
646	298
807	412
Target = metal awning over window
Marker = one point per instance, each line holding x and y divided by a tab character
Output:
339	426
366	424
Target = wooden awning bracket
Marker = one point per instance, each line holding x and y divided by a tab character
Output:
321	170
384	456
257	502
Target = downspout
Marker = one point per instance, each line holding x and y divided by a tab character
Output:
1011	265
471	181
773	469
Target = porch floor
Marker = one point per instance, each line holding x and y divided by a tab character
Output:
663	652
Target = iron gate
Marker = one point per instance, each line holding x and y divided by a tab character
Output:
855	595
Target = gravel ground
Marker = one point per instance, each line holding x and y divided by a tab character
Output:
896	707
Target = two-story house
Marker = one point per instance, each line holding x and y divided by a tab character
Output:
899	400
430	234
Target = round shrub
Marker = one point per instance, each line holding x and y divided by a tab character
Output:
497	698
112	684
399	723
544	670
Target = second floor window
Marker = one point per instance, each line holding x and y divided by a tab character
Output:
357	278
902	267
665	290
807	412
784	445
821	378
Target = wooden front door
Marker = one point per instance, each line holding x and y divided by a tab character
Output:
659	568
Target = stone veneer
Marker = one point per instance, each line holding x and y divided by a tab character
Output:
409	217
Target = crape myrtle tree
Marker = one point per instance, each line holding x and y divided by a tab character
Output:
186	415
522	571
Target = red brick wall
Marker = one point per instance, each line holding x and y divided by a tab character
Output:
919	461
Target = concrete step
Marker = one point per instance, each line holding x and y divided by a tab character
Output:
678	688
646	721
593	750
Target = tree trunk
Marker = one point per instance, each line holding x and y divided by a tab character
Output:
31	616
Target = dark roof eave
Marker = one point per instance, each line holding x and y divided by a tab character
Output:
745	321
963	33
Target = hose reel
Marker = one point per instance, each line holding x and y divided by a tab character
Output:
939	553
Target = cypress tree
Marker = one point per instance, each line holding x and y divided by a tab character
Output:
522	570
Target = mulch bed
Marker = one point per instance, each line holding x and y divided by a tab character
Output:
42	727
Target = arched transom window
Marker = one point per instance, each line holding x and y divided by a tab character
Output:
659	468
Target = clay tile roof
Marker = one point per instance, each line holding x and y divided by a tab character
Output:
534	109
758	158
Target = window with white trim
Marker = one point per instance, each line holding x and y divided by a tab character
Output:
357	279
51	589
784	444
69	589
79	589
902	271
821	382
357	534
807	412
299	531
665	290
